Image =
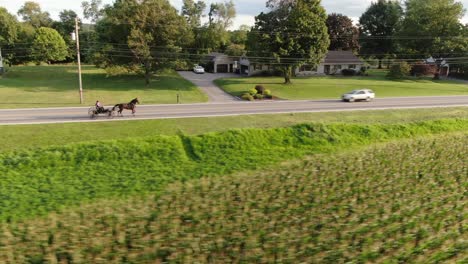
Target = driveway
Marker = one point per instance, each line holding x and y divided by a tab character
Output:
205	83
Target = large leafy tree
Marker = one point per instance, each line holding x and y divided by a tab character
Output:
66	25
49	46
222	14
293	32
147	34
193	12
214	34
343	34
92	10
378	27
8	27
31	12
238	40
9	34
433	28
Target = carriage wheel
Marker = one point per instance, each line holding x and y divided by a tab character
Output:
111	114
92	112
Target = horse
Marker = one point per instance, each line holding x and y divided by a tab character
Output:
129	106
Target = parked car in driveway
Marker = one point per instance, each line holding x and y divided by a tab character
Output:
356	95
198	69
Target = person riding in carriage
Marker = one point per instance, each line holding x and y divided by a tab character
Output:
99	107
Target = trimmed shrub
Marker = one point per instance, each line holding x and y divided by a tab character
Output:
116	71
399	71
247	97
260	89
258	96
267	92
348	72
362	71
253	91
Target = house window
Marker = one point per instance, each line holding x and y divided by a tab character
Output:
337	67
352	66
257	67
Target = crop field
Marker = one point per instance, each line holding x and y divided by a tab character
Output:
57	86
319	87
39	181
399	202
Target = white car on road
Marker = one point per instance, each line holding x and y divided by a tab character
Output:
198	69
362	94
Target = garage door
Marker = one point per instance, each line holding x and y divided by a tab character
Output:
222	68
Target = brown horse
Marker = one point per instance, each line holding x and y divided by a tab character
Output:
129	106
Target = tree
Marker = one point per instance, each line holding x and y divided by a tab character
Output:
433	28
66	25
9	34
8	27
48	46
20	53
193	12
292	33
238	40
92	10
31	12
145	34
399	70
223	14
343	34
239	36
378	27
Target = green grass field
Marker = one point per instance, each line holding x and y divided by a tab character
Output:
33	136
53	86
335	86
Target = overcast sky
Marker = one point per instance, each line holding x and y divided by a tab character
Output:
246	9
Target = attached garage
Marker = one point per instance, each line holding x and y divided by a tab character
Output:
222	68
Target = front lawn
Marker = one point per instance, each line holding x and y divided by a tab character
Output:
51	86
333	86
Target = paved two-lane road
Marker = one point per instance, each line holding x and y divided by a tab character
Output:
79	114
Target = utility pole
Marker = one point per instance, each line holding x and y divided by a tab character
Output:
77	37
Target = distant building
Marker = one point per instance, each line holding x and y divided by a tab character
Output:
333	63
220	63
442	63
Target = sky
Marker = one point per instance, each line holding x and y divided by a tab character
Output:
246	9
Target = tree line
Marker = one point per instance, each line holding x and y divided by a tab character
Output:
147	35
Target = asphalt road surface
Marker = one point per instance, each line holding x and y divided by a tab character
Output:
80	114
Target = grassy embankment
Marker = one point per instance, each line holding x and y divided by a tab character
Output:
335	86
42	180
398	203
54	86
33	136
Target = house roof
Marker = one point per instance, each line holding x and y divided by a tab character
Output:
220	58
432	61
341	57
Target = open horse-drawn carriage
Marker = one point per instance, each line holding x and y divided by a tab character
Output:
94	111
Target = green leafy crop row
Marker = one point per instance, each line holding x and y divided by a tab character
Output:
402	202
43	180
